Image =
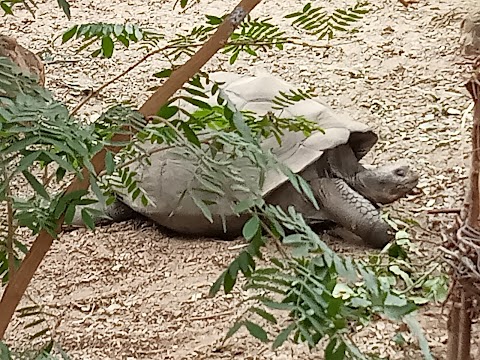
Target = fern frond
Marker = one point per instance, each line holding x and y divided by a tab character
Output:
316	21
283	99
253	35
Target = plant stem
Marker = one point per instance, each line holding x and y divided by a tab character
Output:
10	235
142	156
276	240
421	279
109	82
10	226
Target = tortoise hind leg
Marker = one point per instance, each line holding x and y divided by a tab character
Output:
352	211
116	212
119	211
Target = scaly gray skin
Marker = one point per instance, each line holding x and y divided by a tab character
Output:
382	185
347	194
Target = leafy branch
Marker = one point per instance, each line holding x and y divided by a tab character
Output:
323	294
254	35
8	5
108	34
316	21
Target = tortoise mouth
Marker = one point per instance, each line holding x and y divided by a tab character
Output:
410	183
408	188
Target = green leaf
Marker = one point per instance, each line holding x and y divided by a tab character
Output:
397	312
67	35
163	74
109	163
228	282
63	354
96	189
419	300
199	103
196	92
242	126
358	302
28	160
107	46
307	190
234	57
69	214
8	10
283	336
300	251
60	161
370	281
244	205
416	330
65	6
190	134
256	331
393	300
216	285
203	207
395	269
264	314
293	239
246	263
234	329
214	20
251	227
36	185
166	111
22	144
87	219
334	350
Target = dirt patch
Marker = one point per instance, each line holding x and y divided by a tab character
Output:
130	291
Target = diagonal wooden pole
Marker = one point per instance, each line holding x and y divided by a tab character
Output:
19	283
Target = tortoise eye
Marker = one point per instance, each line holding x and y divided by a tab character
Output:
400	172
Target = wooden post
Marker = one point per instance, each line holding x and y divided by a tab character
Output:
459	320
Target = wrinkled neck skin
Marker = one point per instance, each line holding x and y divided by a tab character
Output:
381	185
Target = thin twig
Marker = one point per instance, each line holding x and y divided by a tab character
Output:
212	316
444	211
10	234
277	242
142	156
123	73
422	278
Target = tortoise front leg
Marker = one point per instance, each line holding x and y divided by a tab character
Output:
349	209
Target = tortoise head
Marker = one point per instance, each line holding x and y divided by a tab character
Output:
387	183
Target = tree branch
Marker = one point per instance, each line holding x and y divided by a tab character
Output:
19	283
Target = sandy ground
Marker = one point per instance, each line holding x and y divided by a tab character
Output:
132	291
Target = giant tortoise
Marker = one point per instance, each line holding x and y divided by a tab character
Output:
348	193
